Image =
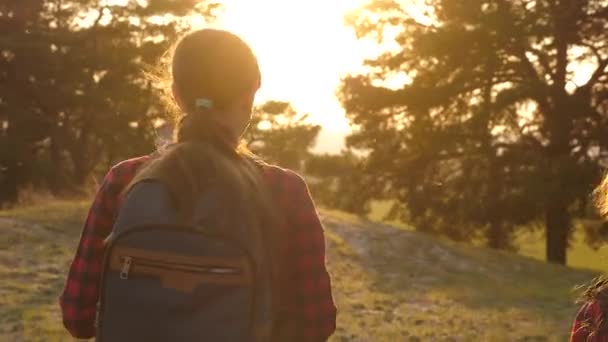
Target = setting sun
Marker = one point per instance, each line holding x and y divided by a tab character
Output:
303	48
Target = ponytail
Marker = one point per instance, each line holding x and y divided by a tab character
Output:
203	154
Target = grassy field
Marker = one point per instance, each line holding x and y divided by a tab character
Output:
390	284
580	255
36	245
532	243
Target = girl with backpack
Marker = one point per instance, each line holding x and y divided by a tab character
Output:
214	77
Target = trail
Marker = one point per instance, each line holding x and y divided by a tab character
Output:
397	285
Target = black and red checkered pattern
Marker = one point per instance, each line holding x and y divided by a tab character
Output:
584	328
306	296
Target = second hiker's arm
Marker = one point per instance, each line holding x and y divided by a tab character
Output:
587	315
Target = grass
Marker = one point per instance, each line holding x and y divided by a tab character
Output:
530	243
580	255
390	283
36	246
393	284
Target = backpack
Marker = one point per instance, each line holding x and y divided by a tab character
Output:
209	280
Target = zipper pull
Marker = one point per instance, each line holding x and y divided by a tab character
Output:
126	266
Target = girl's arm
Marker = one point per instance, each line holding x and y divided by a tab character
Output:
310	296
79	298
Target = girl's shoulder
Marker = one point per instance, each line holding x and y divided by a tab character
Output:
131	164
277	175
123	172
585	327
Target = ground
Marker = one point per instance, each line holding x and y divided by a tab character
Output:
390	284
530	241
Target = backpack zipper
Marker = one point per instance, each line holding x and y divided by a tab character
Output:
103	298
128	261
126	267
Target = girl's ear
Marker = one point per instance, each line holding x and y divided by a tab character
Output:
247	101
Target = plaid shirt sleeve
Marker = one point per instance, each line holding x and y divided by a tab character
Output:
589	314
308	298
79	298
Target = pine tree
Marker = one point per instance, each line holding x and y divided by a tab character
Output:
72	86
495	127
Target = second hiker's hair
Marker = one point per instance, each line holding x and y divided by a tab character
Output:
596	292
600	197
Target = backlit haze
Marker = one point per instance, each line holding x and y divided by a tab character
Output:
303	48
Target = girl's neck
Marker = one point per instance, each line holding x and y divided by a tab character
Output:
226	135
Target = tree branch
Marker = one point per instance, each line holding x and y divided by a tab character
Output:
542	59
520	48
599	14
99	16
594	49
597	74
522	146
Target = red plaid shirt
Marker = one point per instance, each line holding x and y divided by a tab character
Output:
590	314
307	295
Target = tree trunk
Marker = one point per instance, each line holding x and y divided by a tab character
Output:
557	224
56	179
498	236
81	170
9	185
84	156
13	175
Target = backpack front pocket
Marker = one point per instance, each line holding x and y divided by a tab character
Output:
179	272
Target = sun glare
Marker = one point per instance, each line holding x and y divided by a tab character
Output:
303	48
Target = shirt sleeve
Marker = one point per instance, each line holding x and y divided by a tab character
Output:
79	298
310	297
585	318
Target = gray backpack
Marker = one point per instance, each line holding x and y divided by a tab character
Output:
209	280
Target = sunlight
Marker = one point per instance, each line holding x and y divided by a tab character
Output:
304	48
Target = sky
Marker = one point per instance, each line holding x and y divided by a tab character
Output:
304	48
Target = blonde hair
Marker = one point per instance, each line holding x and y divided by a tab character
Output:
600	197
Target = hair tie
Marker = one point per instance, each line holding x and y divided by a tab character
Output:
203	103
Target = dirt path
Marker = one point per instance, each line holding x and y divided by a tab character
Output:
396	285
